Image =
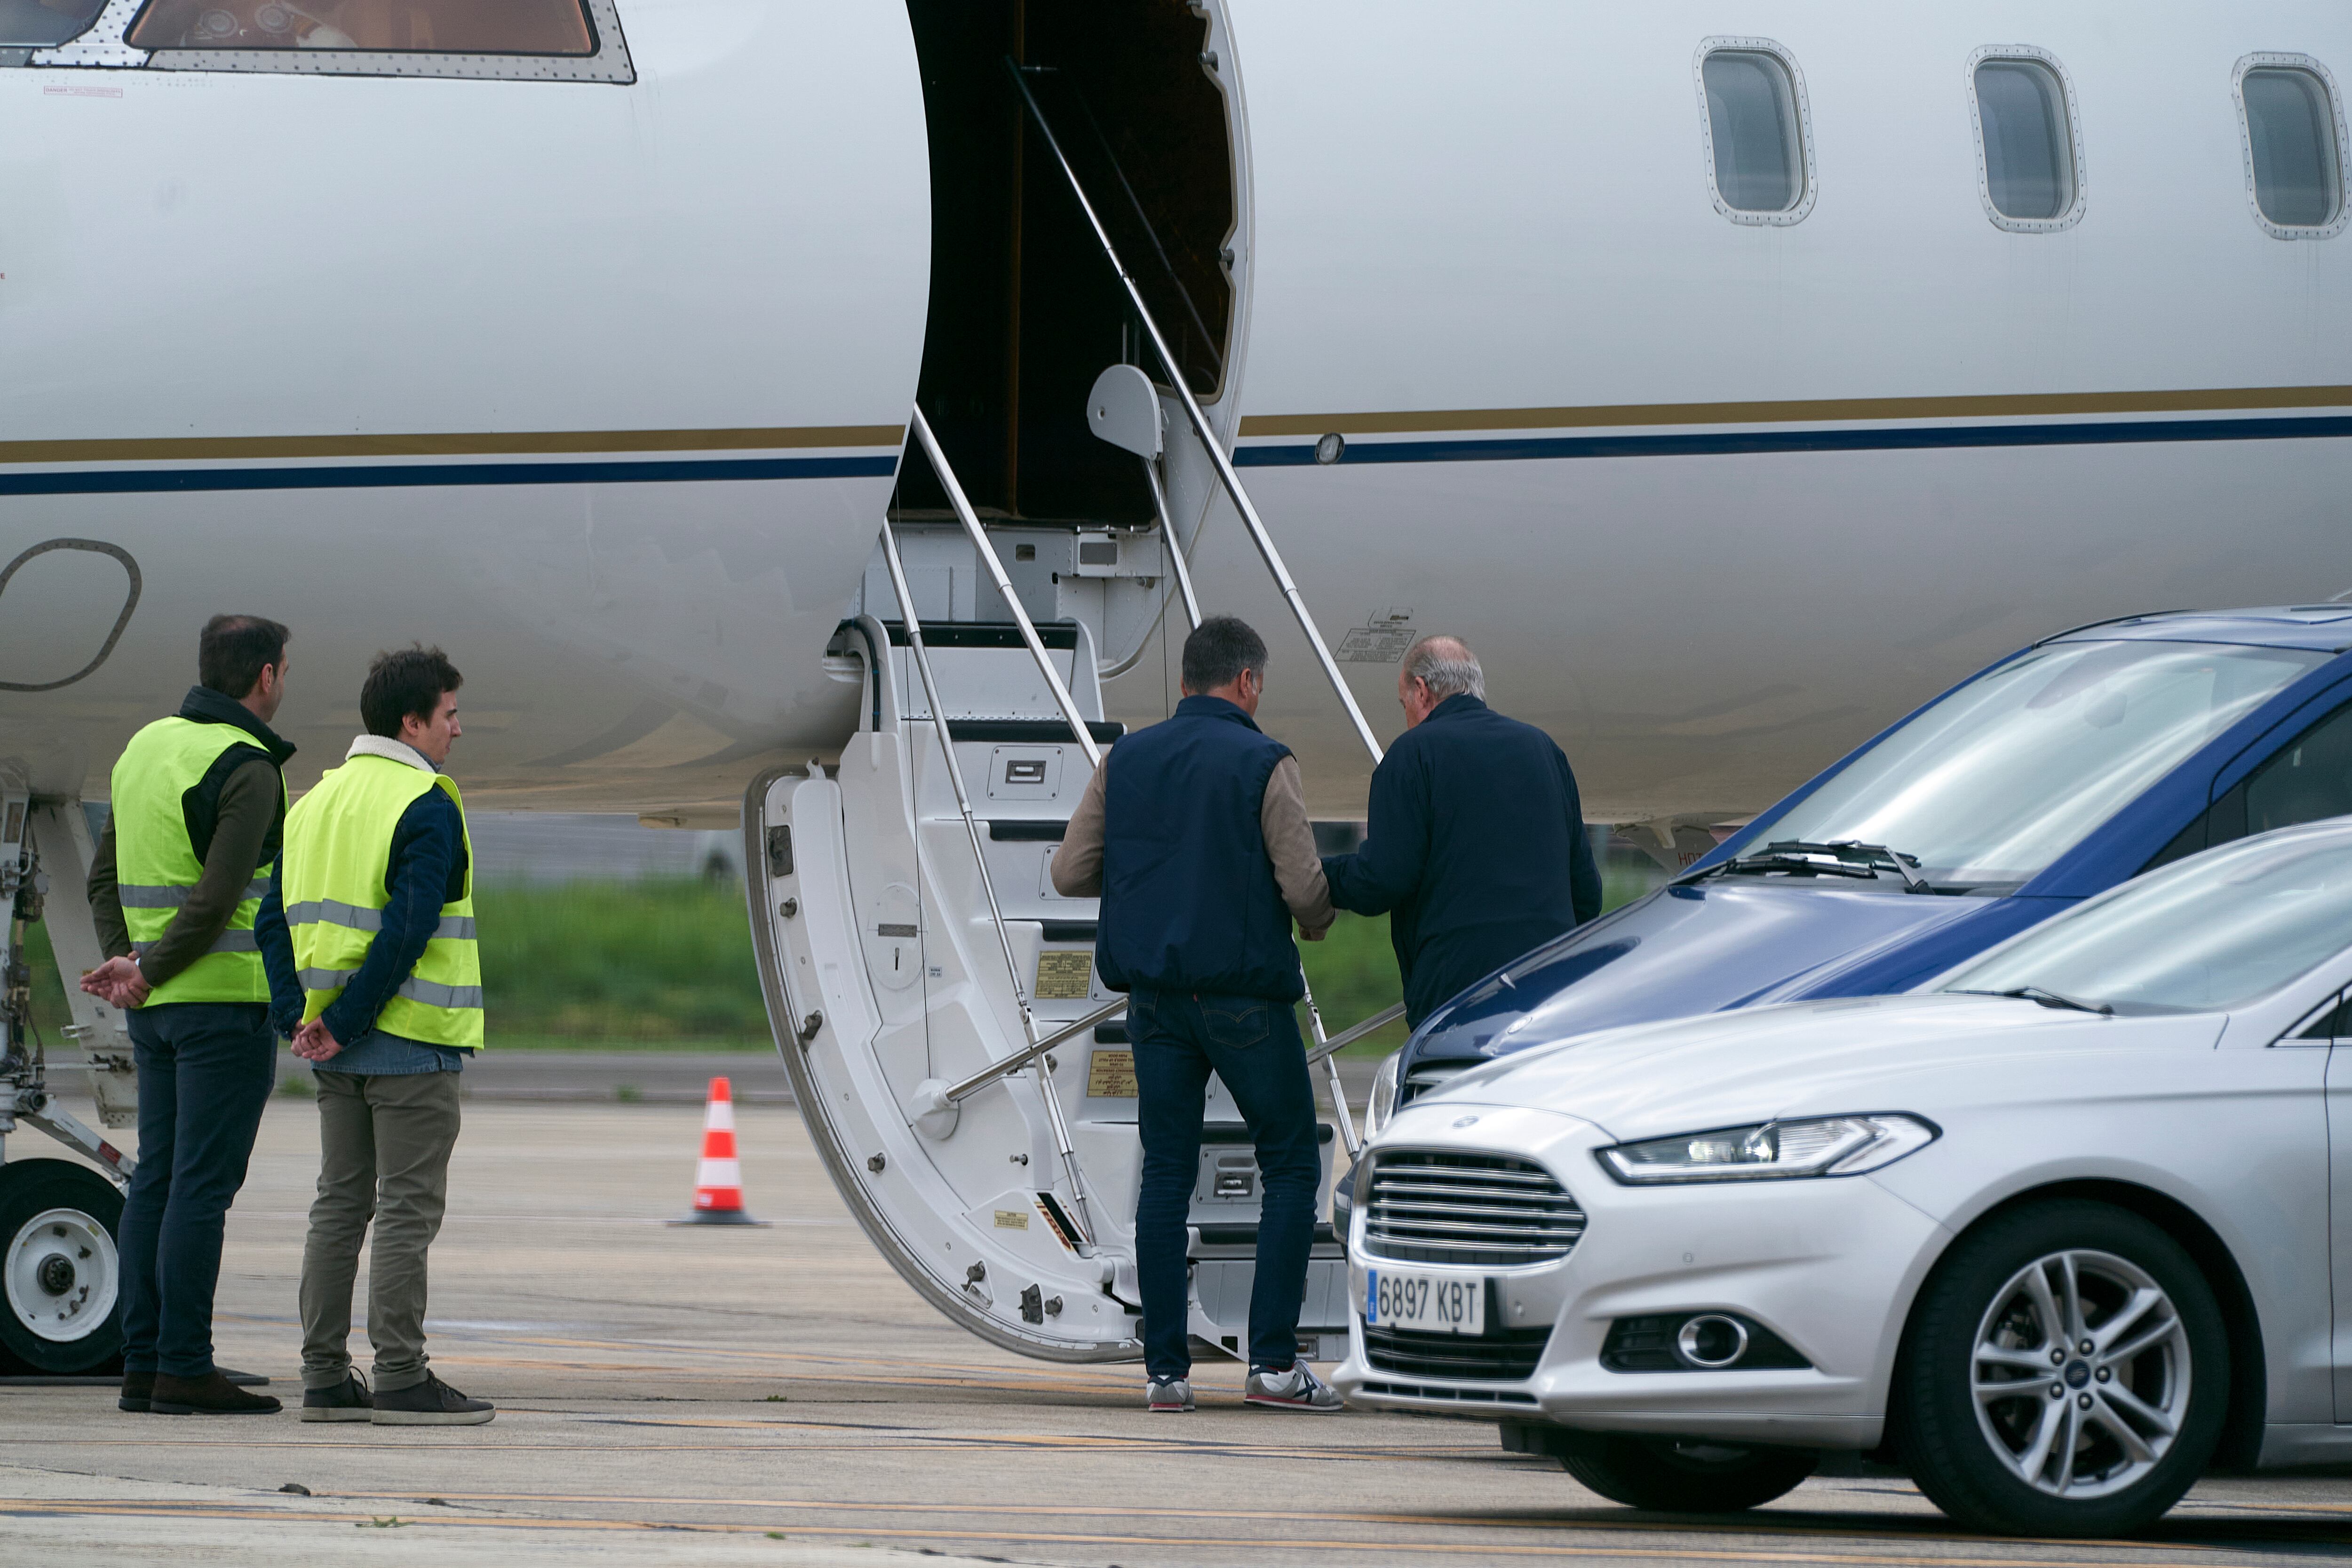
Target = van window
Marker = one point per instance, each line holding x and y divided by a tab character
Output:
1755	143
2310	779
1995	780
2025	138
44	24
2294	145
433	27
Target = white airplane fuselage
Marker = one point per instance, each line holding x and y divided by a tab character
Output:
602	384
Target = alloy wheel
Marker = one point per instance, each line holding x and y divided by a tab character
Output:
2081	1374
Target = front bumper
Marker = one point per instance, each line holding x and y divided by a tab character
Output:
1829	1265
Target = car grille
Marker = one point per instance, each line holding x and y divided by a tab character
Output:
1429	1080
1507	1357
1485	1209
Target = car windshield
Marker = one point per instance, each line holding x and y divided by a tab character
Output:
2009	772
2209	933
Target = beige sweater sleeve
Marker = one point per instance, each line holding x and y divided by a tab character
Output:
1281	818
1077	864
1290	844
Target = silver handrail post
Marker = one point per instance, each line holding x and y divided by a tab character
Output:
955	771
970	520
1175	546
1227	474
1064	1144
1331	1067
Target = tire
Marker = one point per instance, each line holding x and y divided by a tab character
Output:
1680	1474
2015	1464
60	1313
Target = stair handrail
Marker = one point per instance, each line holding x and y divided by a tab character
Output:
958	1092
1227	474
898	569
971	525
1348	1037
1064	1144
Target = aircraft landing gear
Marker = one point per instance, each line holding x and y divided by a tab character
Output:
59	1272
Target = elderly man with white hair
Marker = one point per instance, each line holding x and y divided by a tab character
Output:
1475	848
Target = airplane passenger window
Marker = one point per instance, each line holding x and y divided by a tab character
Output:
1756	141
2294	156
2026	141
440	27
44	24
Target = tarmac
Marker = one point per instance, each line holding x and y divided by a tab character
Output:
778	1395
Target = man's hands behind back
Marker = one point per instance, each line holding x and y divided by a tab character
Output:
118	983
313	1043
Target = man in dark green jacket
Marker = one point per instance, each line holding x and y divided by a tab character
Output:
175	891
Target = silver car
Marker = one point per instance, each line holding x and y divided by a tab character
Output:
2053	1234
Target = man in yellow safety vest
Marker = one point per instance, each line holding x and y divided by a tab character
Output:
175	891
378	890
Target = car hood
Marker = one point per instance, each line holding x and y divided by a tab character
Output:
1797	1059
1681	951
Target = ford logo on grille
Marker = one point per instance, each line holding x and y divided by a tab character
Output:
1463	1121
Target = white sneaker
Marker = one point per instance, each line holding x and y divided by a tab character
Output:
1173	1394
1297	1389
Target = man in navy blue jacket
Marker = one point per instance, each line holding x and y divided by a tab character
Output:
1475	849
1194	833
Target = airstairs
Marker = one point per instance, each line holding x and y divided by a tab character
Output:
964	1074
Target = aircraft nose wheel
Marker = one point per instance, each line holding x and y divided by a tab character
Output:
59	1272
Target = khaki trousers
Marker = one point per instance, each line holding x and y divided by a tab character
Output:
384	1141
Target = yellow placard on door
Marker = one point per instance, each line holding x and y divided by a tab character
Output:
1065	977
1110	1075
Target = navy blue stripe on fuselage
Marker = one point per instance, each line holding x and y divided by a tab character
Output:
393	475
1708	443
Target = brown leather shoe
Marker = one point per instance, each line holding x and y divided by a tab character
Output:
210	1394
138	1389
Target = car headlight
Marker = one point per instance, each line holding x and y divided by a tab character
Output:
1383	1104
1772	1151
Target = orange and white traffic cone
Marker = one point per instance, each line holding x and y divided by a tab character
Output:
719	1179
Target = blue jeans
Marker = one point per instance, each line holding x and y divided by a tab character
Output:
1253	1045
204	1071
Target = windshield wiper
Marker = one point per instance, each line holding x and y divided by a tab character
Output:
2047	998
1844	858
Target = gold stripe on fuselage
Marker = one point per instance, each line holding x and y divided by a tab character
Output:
2005	406
460	444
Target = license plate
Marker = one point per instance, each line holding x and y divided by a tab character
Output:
1434	1303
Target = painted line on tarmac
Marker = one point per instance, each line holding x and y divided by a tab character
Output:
78	1508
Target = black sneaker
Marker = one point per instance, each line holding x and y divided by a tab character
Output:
345	1401
210	1394
138	1389
431	1403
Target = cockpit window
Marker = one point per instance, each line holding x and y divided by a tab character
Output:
43	24
429	27
2006	774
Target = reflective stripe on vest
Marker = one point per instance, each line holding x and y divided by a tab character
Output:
333	913
338	853
157	866
136	896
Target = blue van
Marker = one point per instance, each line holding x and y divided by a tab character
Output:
2067	768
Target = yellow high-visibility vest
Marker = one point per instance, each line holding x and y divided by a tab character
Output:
338	850
156	862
